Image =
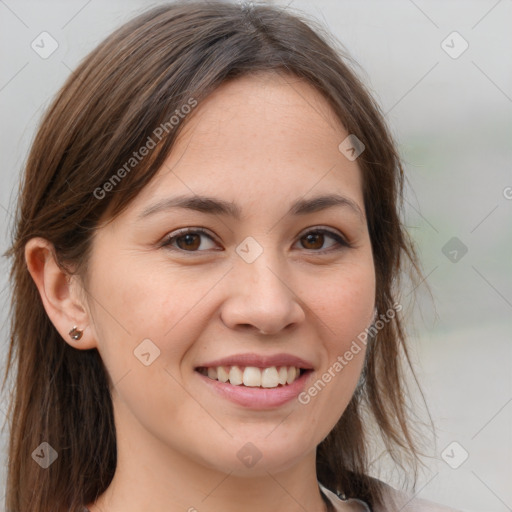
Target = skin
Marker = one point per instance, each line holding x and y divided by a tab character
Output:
261	142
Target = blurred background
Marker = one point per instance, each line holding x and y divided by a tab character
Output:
441	74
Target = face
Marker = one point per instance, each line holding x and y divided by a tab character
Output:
185	293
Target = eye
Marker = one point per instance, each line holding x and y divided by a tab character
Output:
199	240
189	239
315	239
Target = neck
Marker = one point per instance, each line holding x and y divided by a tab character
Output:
153	476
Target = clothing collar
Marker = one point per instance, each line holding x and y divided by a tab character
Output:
341	504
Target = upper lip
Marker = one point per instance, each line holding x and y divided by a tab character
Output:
259	361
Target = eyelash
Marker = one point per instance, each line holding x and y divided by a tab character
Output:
168	240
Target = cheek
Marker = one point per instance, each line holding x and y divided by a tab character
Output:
145	322
344	299
344	303
134	302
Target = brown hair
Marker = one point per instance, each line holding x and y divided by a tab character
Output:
129	85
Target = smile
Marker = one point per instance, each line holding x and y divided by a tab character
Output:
251	376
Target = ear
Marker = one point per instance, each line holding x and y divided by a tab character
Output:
60	293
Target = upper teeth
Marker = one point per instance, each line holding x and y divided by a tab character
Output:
254	377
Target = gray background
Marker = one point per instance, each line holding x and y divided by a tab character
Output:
452	118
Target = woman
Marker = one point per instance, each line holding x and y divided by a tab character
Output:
205	270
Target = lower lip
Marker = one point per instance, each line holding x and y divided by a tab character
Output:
257	398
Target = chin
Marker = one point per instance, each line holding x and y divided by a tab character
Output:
257	457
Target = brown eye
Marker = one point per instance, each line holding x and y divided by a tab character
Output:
315	240
189	240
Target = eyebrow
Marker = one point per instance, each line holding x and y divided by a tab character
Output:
215	206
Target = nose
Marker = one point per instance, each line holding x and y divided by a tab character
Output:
261	298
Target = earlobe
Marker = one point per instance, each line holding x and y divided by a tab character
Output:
60	299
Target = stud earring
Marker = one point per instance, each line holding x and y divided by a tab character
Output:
76	333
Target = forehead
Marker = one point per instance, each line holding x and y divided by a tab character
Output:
260	136
276	105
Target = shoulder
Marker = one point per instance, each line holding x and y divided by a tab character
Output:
399	500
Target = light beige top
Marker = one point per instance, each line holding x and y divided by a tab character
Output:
394	501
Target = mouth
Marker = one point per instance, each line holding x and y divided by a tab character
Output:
252	376
256	381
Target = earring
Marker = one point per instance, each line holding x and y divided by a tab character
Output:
76	333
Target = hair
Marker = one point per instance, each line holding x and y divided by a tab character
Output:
110	106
